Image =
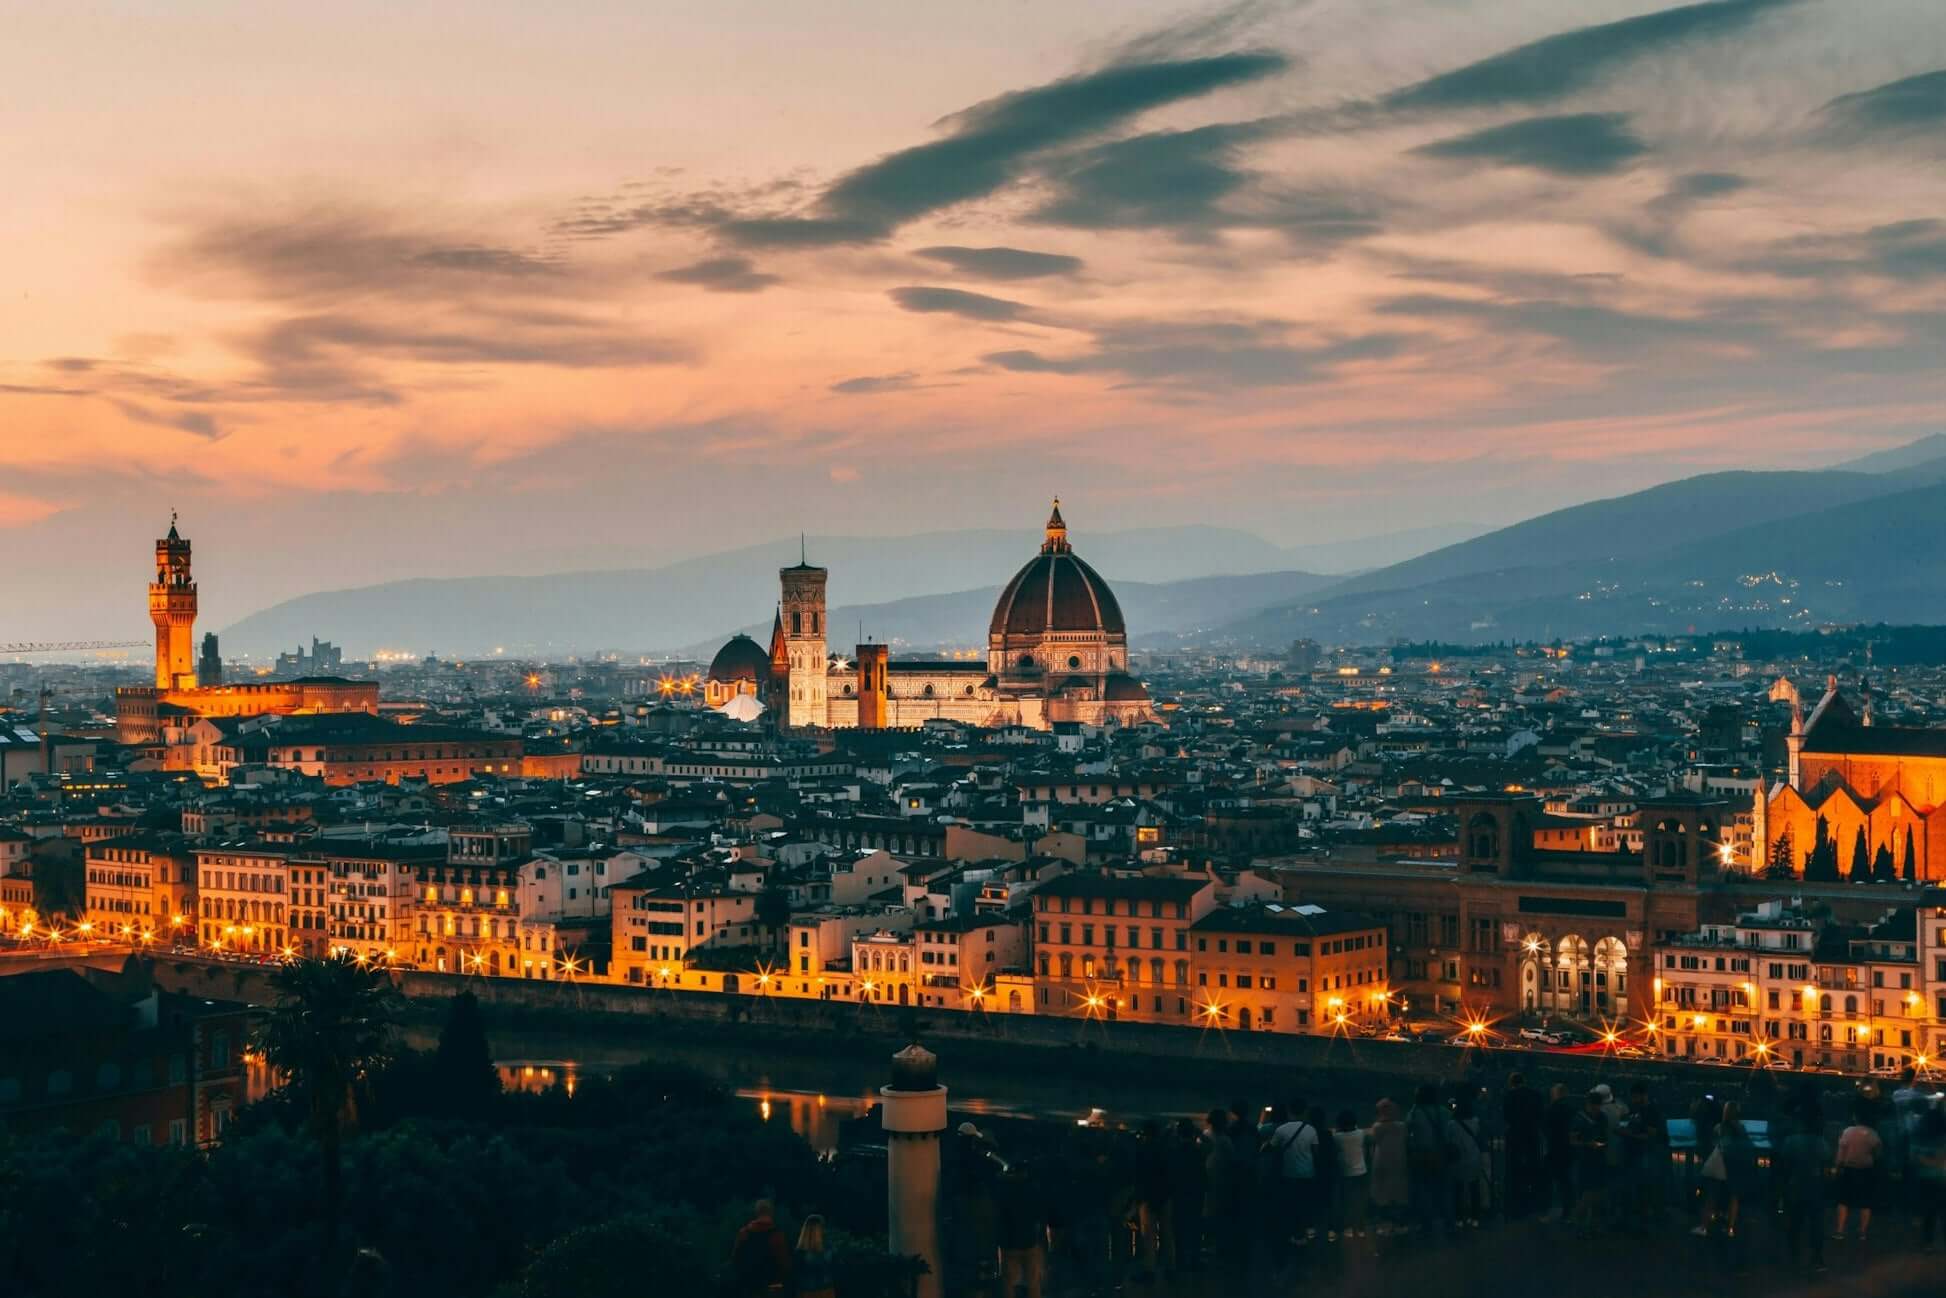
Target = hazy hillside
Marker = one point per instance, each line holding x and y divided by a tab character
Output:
686	603
1631	526
1912	455
1861	560
1157	613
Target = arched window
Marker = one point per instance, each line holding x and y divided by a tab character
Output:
797	622
1067	964
1483	836
1851	1005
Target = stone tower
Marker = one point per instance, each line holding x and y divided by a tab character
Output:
802	616
913	1113
172	607
873	661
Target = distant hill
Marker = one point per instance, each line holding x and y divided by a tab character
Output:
1737	549
1361	554
1157	613
1621	527
1912	455
687	603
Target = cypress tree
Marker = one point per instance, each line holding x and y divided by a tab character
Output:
1883	871
1911	863
1861	858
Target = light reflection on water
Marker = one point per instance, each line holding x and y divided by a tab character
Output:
536	1075
817	1118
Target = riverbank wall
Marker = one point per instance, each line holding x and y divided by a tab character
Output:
1098	1056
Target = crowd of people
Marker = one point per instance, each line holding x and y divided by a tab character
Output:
1249	1193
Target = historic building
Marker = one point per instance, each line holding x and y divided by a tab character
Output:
151	714
1876	785
1505	925
1057	651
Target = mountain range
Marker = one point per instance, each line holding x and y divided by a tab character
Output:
925	590
1716	551
1713	551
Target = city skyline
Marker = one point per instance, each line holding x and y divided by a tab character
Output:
612	287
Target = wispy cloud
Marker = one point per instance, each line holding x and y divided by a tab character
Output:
1913	106
1002	263
953	301
1198	353
1557	66
722	275
1573	144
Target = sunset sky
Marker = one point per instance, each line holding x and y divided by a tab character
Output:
376	290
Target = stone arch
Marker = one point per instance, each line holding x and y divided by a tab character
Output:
1536	963
1573	971
1611	976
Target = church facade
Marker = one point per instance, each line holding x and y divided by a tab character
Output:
1876	785
1057	650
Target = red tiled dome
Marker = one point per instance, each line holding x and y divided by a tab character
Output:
1056	591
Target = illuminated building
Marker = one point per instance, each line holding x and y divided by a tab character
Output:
658	923
1507	926
1118	947
1884	782
466	908
159	714
242	897
371	894
139	884
1057	651
741	667
962	957
1289	969
1782	987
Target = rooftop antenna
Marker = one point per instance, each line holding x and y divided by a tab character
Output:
802	561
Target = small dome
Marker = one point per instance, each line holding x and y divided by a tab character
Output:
742	659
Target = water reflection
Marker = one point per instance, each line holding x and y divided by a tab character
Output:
536	1075
815	1117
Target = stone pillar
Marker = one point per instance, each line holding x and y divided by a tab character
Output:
913	1112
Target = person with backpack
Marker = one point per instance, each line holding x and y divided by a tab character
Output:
1351	1144
1468	1167
1429	1157
1290	1163
760	1261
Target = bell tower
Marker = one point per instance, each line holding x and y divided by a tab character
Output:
802	617
172	607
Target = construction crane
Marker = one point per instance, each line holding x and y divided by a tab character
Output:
69	646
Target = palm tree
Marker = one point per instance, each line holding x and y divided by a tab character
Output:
330	1028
